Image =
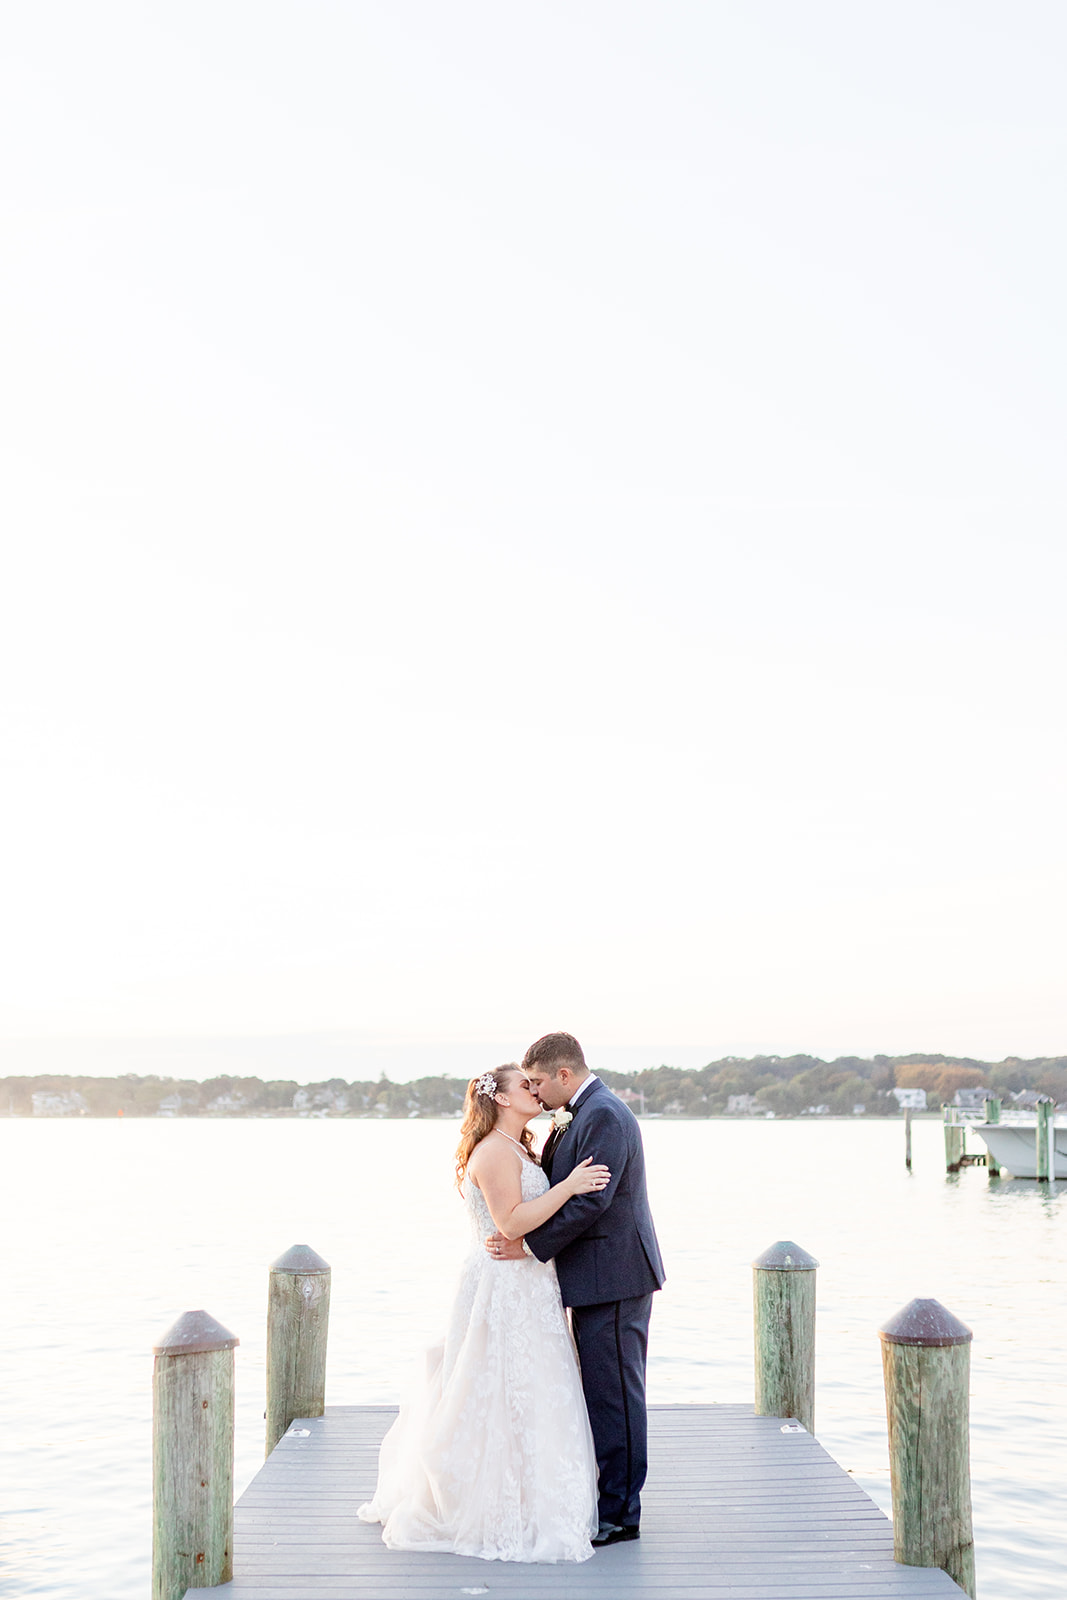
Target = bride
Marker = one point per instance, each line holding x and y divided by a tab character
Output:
493	1457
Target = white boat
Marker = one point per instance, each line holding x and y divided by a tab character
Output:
1012	1142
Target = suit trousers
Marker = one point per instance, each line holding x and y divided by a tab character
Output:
612	1342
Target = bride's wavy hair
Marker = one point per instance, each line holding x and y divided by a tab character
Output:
480	1113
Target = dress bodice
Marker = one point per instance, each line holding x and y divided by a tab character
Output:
534	1183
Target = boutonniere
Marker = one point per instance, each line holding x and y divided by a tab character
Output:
562	1118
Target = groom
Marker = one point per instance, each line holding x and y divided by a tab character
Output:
608	1264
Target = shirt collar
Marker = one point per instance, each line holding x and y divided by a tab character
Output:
586	1083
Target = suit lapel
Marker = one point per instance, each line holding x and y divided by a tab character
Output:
551	1143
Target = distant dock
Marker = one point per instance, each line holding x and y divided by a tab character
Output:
735	1506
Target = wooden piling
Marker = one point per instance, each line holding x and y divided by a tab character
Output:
192	1457
783	1295
907	1137
992	1114
1045	1136
926	1361
298	1316
955	1141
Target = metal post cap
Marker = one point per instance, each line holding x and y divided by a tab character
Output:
300	1259
785	1256
925	1322
194	1331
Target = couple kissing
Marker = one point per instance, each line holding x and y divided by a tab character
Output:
527	1438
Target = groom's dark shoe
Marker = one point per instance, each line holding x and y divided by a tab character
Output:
611	1533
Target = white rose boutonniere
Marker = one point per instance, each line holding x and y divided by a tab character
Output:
562	1118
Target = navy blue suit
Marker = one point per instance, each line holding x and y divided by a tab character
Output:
609	1265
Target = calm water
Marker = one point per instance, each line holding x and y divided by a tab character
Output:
113	1229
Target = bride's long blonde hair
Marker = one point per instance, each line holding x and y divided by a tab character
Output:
480	1113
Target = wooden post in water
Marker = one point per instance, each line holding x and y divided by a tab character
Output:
992	1114
783	1296
192	1457
926	1360
907	1137
955	1141
1045	1135
298	1318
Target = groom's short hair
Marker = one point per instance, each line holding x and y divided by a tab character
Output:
553	1051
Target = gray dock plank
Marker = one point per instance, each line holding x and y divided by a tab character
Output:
734	1509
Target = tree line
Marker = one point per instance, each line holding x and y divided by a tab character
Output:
786	1085
793	1085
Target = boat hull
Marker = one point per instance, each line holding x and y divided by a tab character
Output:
1014	1148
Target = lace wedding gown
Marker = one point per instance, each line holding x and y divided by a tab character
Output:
493	1456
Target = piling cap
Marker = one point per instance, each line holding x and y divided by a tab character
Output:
194	1331
925	1322
302	1259
785	1256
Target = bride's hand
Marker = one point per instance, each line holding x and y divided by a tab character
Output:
587	1178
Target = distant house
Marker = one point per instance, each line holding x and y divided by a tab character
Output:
231	1102
744	1105
970	1099
815	1111
859	1111
634	1098
170	1106
1026	1098
312	1102
47	1103
910	1099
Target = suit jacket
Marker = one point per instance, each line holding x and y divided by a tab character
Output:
604	1244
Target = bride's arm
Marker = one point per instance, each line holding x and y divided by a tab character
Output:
498	1174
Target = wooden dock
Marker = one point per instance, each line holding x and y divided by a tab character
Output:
734	1507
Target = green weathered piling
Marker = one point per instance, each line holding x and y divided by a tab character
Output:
955	1141
783	1295
907	1137
192	1450
1045	1136
298	1317
992	1114
926	1360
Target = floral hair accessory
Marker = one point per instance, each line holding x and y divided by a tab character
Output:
486	1085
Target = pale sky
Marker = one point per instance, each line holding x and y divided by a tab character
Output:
535	516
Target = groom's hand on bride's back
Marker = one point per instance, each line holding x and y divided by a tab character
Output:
502	1249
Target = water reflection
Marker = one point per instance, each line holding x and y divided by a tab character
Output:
1046	1197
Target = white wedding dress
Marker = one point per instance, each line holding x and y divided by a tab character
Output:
493	1456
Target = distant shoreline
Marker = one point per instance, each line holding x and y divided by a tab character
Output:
441	1116
762	1087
